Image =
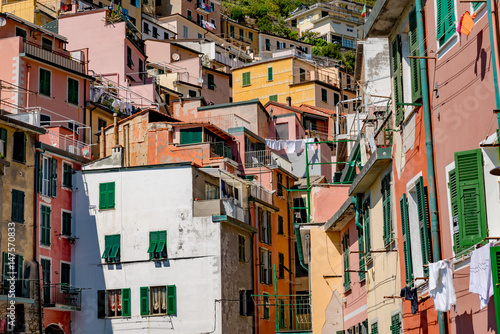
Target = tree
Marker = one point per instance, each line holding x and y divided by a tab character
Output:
350	60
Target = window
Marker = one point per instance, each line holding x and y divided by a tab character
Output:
350	29
157	245
336	99
101	124
65	273
158	300
211	81
445	25
361	254
405	230
268	44
113	303
106	195
302	74
345	255
395	324
281	265
46	264
246	303
185	31
48	177
374	328
280	225
211	191
246	79
165	35
67	175
134	3
17	214
475	6
366	228
192	93
141	69
21	33
386	207
44	120
3	143
423	224
155	32
273	98
294	23
146	28
46	44
66	223
495	268
212	7
241	249
191	136
241	34
324	95
189	15
130	63
269	74
250	36
265	307
73	91
44	86
265	266
466	187
397	81
279	186
231	31
45	225
264	226
111	248
200	36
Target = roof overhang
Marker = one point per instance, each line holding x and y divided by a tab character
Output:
342	217
374	166
383	17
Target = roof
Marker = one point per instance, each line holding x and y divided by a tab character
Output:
215	129
142	112
52	26
231	104
318	109
264	61
383	17
228	19
22	125
173	42
33	26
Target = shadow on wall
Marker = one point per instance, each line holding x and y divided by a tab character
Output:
333	315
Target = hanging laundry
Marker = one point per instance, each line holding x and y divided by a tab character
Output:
466	23
411	295
481	281
268	143
123	105
115	104
441	285
299	146
290	146
310	147
280	145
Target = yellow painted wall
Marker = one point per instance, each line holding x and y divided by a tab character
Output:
23	9
326	260
93	123
383	278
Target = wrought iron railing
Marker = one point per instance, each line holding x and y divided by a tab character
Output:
53	57
255	159
62	294
293	313
220	149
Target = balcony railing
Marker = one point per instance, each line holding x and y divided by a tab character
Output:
323	76
62	296
293	314
21	288
257	191
232	210
204	6
220	149
224	122
218	207
255	159
67	143
54	57
227	61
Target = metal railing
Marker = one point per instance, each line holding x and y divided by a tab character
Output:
323	76
293	313
54	57
204	6
62	294
224	122
257	191
18	287
227	61
230	209
67	143
220	149
255	159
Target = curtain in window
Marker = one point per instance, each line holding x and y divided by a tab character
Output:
112	304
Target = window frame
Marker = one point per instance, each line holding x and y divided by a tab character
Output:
67	173
49	73
156	249
45	230
63	221
105	205
16	215
71	99
19	157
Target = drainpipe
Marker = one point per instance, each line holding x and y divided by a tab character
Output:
357	204
35	244
436	241
491	25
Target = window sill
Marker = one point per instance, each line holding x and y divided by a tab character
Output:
443	49
19	162
156	315
246	85
105	209
17	222
67	188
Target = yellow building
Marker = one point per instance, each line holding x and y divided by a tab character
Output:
37	12
301	80
243	36
17	184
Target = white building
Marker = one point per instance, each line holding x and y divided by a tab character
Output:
158	250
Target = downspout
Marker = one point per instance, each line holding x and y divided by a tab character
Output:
436	241
35	244
85	110
494	61
357	204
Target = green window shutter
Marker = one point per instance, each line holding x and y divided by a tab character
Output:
416	89
246	79
171	299
347	274
66	226
423	223
3	138
67	175
144	300
386	207
162	242
241	248
108	244
495	269
103	199
397	79
452	186
471	199
375	328
39	161
191	136
17	206
273	98
476	5
54	177
269	74
270	270
269	228
115	248
361	249
101	304
395	324
153	242
366	226
5	268
445	20
405	228
111	195
72	91
126	302
261	224
261	265
44	82
45	226
20	260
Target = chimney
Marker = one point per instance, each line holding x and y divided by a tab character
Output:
289	101
115	128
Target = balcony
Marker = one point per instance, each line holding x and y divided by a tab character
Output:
220	149
21	288
224	122
203	8
67	143
55	58
323	76
294	314
219	207
227	61
256	159
257	191
62	297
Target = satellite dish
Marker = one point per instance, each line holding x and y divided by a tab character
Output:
200	81
2	21
176	57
